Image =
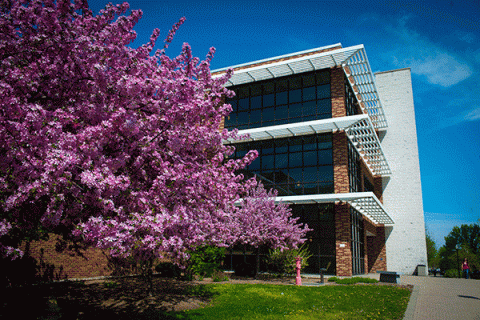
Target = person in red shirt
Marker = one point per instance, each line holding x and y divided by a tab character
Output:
466	268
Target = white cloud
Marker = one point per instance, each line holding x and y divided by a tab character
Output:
441	68
425	57
467	116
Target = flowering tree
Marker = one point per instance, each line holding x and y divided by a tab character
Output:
120	145
124	144
259	221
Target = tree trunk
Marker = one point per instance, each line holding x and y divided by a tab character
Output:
148	275
257	263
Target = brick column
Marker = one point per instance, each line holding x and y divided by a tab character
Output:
337	91
378	185
377	251
343	249
340	162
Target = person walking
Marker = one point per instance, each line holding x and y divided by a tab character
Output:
466	268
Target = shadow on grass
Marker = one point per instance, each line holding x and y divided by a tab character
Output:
118	299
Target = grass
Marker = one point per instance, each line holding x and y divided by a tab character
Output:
292	302
353	280
127	299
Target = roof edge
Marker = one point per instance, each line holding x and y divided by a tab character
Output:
277	58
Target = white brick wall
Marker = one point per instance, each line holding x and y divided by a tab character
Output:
402	195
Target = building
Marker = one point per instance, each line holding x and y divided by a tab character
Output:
339	144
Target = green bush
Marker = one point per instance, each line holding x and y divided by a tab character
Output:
451	273
284	262
205	260
219	276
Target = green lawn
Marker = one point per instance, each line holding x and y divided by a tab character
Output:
291	302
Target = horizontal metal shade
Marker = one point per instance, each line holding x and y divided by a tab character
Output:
359	130
364	202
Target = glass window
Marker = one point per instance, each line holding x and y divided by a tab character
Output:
310	143
268	114
268	162
242	92
234	104
295	110
295	96
307	97
243	104
256	102
295	159
282	85
309	108
281	145
323	91
282	97
268	100
255	116
296	145
310	174
256	90
242	118
281	176
296	175
323	77
324	106
310	158
295	82
309	80
325	156
309	94
268	87
267	147
325	173
281	160
281	112
255	165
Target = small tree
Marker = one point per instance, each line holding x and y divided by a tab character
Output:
260	221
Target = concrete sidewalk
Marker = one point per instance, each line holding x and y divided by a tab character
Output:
442	298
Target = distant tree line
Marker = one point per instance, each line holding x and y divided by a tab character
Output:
462	242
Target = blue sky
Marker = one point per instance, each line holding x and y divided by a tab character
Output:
438	40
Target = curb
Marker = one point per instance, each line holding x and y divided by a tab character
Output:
412	304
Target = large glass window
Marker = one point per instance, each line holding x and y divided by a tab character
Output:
350	100
293	166
284	100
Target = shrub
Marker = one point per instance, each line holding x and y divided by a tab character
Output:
205	260
219	276
451	273
284	262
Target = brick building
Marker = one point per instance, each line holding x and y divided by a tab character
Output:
339	144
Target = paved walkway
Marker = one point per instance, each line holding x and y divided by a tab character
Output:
442	298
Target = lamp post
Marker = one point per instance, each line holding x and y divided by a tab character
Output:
457	247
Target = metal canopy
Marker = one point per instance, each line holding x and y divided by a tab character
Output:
353	60
358	128
364	202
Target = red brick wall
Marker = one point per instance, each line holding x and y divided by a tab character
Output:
343	240
377	252
337	91
340	162
55	259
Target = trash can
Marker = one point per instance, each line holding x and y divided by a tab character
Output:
422	270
